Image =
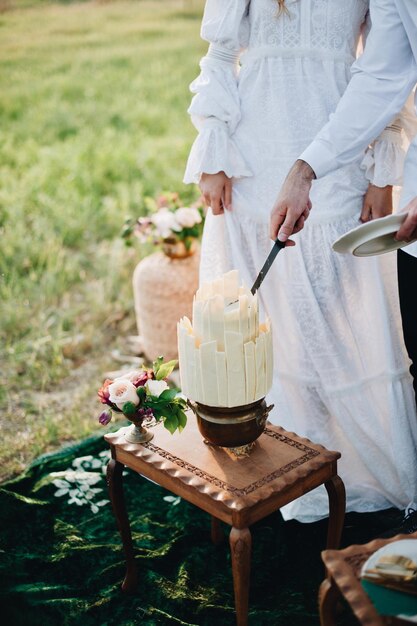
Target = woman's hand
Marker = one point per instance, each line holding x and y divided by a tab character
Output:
217	192
377	203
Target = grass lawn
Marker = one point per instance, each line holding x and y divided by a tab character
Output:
93	101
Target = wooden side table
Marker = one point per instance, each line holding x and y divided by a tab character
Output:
236	490
343	570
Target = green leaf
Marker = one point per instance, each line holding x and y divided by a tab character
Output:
158	413
157	364
141	392
127	230
152	402
129	409
165	370
171	424
168	395
169	411
182	420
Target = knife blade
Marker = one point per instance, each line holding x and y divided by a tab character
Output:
278	245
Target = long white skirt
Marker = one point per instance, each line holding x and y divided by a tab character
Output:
340	366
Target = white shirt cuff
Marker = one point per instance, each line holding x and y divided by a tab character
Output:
320	158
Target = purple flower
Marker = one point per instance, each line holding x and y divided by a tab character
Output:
104	417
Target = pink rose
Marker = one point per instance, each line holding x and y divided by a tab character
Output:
103	392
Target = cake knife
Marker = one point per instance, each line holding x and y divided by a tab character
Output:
278	245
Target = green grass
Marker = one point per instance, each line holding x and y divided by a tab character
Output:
93	101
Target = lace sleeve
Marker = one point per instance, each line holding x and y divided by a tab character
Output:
384	158
215	107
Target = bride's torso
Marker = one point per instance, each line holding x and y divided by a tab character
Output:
329	27
294	70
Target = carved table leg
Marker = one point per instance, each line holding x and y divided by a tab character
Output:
337	506
240	546
217	534
329	595
115	485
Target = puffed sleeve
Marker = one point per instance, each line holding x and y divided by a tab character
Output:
384	158
215	107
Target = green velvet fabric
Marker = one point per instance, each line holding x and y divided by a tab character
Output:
62	561
389	602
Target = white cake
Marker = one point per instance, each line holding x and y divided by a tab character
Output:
225	355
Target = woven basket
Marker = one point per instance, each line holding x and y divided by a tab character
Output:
163	288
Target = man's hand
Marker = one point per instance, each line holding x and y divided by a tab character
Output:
377	203
217	192
293	205
408	230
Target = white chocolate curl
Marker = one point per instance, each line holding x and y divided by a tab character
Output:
225	355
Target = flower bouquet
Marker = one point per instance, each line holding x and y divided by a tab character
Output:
144	395
174	227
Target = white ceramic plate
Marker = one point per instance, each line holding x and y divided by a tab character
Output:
375	237
402	547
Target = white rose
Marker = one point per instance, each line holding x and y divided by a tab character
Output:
187	217
121	391
165	223
156	387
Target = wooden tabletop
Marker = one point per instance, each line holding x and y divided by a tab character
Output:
238	490
344	566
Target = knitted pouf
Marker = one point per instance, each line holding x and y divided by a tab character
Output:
163	288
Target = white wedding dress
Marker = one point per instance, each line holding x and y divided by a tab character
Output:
267	86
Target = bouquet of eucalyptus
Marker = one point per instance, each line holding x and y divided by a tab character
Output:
145	395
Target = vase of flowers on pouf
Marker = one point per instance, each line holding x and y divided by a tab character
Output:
164	282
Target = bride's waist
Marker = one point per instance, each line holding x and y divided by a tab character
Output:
257	206
259	52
